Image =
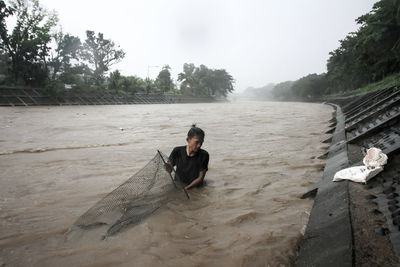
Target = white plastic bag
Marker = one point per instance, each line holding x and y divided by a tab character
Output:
375	158
359	174
373	161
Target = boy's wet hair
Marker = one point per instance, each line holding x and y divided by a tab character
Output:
196	131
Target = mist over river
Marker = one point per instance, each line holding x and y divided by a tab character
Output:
57	162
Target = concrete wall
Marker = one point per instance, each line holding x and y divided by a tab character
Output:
35	97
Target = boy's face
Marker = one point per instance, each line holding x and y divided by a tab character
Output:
194	143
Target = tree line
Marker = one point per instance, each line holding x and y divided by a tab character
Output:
367	55
33	53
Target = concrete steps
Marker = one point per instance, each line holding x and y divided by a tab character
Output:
37	97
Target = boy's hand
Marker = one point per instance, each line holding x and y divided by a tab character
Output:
168	167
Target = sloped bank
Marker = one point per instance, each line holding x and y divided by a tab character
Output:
352	224
38	97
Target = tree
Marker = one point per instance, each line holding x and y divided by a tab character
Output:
102	53
134	84
371	53
221	83
114	81
283	91
310	87
3	67
126	84
150	86
203	77
164	81
81	75
28	43
187	79
202	81
67	49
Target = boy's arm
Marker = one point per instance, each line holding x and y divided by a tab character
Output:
197	180
168	166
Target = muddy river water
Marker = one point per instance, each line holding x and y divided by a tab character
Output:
56	162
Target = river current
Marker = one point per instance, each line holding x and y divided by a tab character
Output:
56	162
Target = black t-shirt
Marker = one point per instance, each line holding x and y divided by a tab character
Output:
188	168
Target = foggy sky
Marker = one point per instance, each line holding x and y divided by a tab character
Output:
256	41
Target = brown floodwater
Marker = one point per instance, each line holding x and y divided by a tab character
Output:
56	162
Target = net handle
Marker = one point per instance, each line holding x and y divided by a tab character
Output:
172	179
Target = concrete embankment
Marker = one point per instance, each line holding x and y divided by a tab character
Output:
353	224
39	97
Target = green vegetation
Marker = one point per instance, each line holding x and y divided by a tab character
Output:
202	81
101	53
33	54
27	46
369	55
392	80
164	81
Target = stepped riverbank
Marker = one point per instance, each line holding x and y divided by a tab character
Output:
353	224
39	97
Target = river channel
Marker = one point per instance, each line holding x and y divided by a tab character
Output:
57	162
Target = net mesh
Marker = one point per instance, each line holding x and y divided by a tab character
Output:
134	200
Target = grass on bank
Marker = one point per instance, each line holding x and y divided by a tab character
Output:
392	80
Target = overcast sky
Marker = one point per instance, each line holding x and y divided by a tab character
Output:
256	41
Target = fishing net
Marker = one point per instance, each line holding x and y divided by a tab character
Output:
134	200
